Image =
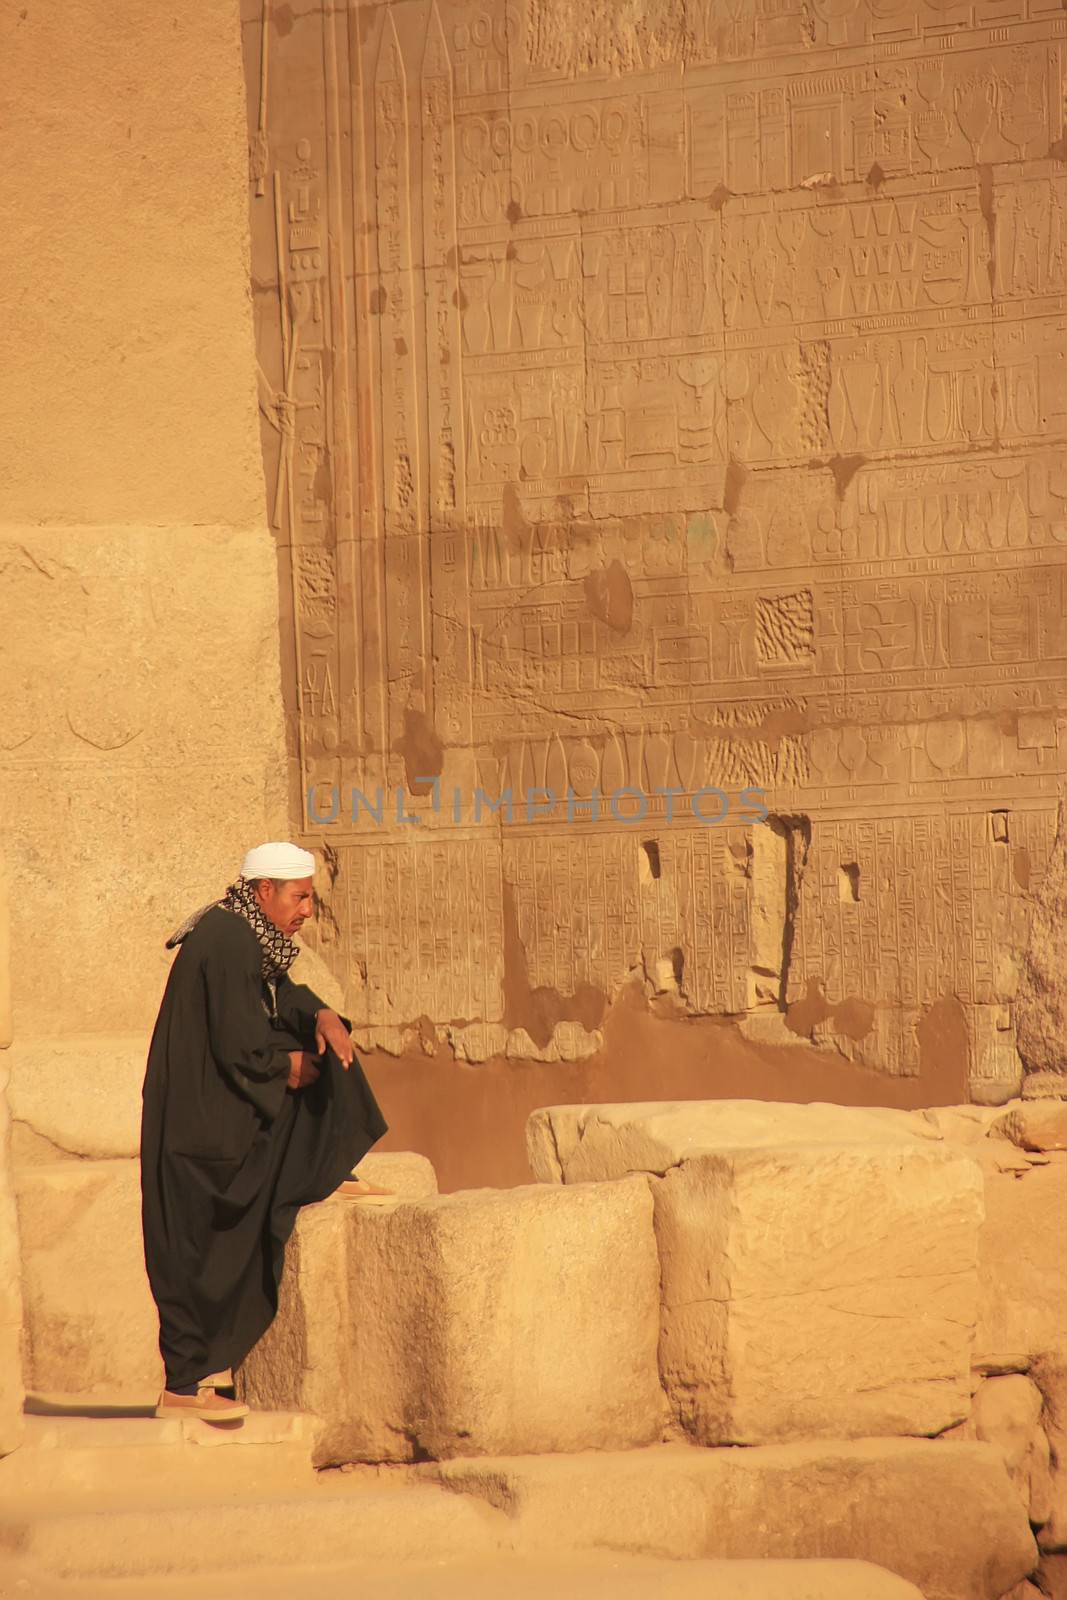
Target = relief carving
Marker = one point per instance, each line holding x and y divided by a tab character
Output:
671	402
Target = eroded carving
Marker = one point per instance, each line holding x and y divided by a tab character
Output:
668	402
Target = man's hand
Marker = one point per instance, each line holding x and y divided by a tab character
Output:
302	1069
331	1031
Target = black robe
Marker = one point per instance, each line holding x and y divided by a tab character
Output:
229	1153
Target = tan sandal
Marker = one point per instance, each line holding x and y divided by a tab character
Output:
206	1404
357	1188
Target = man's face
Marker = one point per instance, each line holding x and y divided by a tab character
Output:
288	905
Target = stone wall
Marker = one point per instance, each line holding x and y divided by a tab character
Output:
666	397
141	745
11	1392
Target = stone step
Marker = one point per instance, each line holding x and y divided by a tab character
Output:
942	1515
597	1576
126	1450
118	1536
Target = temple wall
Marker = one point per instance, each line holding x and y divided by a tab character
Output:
667	397
141	743
11	1388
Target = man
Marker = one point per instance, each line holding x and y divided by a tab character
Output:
254	1105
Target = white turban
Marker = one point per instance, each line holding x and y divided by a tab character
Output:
280	861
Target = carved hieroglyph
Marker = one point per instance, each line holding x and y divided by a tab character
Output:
670	397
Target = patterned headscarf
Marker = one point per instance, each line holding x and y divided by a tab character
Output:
279	951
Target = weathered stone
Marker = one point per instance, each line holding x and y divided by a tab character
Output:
578	1144
1051	1577
79	1095
143	749
940	1514
467	1323
90	1319
1049	1373
409	1176
1041	1000
5	961
1035	1125
11	1390
11	1298
300	1362
151	1535
1022	1265
965	1125
818	1290
1006	1413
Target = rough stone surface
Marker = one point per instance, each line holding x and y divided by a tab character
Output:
894	1502
77	1096
1007	1413
90	1321
143	744
11	1297
11	1390
1035	1124
1022	1267
1049	1373
471	1323
818	1290
578	1576
1041	1003
409	1176
579	1144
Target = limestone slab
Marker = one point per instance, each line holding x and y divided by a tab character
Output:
1034	1124
81	1537
1022	1270
1049	1373
11	1292
120	1454
577	1144
894	1502
818	1290
79	1095
449	1325
1041	1003
90	1319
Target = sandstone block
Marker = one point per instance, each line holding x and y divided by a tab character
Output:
1041	999
299	1363
523	1319
1006	1412
409	1176
78	1096
1035	1125
11	1375
1022	1265
940	1515
1049	1373
818	1290
579	1144
90	1319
